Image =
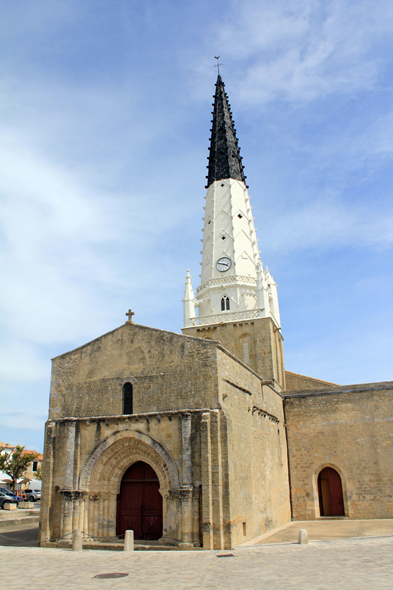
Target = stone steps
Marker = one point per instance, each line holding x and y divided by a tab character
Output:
19	516
17	520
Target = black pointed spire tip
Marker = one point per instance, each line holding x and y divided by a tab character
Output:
224	158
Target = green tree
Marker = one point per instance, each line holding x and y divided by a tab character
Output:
15	464
38	473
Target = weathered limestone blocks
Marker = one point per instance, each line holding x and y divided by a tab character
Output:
348	429
211	429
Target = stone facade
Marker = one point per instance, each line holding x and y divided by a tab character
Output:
207	424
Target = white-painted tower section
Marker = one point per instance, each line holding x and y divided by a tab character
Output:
230	251
234	285
189	302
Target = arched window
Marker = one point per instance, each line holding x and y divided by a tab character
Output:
127	398
224	303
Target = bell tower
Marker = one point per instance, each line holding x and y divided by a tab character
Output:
237	298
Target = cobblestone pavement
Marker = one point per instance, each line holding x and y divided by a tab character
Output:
350	564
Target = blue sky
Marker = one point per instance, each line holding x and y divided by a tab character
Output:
104	135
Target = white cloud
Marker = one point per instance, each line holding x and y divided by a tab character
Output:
70	246
50	228
302	50
328	223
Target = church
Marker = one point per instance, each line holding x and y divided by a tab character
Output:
202	439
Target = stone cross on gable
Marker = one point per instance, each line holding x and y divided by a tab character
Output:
130	313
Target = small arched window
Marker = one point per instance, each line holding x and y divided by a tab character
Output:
127	398
224	303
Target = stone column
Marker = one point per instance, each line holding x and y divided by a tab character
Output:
173	522
47	485
70	456
196	515
85	526
187	487
66	526
68	479
112	504
217	488
186	450
82	513
76	466
75	510
207	508
187	518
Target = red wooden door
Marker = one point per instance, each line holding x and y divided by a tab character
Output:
331	502
139	505
336	493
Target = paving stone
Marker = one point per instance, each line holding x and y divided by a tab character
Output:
343	564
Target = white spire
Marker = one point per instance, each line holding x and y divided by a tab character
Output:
189	302
234	285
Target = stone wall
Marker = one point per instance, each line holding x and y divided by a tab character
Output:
349	429
296	382
167	371
254	448
258	343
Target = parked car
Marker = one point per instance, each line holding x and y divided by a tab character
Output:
4	500
32	495
12	494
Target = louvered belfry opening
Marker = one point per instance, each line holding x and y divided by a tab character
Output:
224	158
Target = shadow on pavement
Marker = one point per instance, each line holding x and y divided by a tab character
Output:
19	537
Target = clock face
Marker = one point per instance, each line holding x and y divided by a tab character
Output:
224	263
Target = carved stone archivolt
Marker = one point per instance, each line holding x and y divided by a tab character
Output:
106	465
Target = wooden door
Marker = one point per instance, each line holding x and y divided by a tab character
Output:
139	504
331	502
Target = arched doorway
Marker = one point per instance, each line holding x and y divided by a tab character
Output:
139	504
330	491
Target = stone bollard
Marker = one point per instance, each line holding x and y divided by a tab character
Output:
77	540
9	506
129	541
303	539
26	505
